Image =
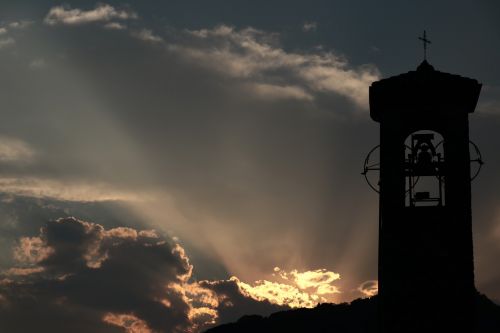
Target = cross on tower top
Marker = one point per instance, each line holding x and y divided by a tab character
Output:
425	41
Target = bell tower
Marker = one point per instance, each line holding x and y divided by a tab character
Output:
426	269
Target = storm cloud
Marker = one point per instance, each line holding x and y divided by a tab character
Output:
78	276
89	273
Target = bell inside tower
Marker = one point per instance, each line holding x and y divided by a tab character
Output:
424	169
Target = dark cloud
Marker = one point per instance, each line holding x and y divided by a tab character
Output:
234	305
369	288
79	276
88	273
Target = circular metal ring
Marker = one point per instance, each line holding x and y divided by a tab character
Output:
478	160
371	167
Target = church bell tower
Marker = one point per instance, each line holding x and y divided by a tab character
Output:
426	269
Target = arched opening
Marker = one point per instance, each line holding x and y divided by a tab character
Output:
424	169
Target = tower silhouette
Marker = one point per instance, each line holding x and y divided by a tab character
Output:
426	269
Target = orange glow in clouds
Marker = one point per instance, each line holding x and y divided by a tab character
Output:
129	322
294	289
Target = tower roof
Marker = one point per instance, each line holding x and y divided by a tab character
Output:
424	91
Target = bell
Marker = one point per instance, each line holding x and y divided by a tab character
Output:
424	165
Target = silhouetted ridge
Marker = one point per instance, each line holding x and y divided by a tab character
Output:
360	316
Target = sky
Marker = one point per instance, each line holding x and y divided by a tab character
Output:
166	166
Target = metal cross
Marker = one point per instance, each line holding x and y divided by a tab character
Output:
425	41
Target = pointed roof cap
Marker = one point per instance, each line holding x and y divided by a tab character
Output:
425	66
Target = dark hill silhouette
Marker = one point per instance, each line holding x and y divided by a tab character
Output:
360	316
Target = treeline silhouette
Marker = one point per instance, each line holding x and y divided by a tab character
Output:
359	316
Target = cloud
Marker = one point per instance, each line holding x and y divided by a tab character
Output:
101	13
129	322
254	55
276	92
5	28
309	26
15	150
277	293
369	288
6	42
31	250
70	190
125	289
23	271
233	302
121	277
102	136
320	280
147	36
23	24
293	289
38	64
115	26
